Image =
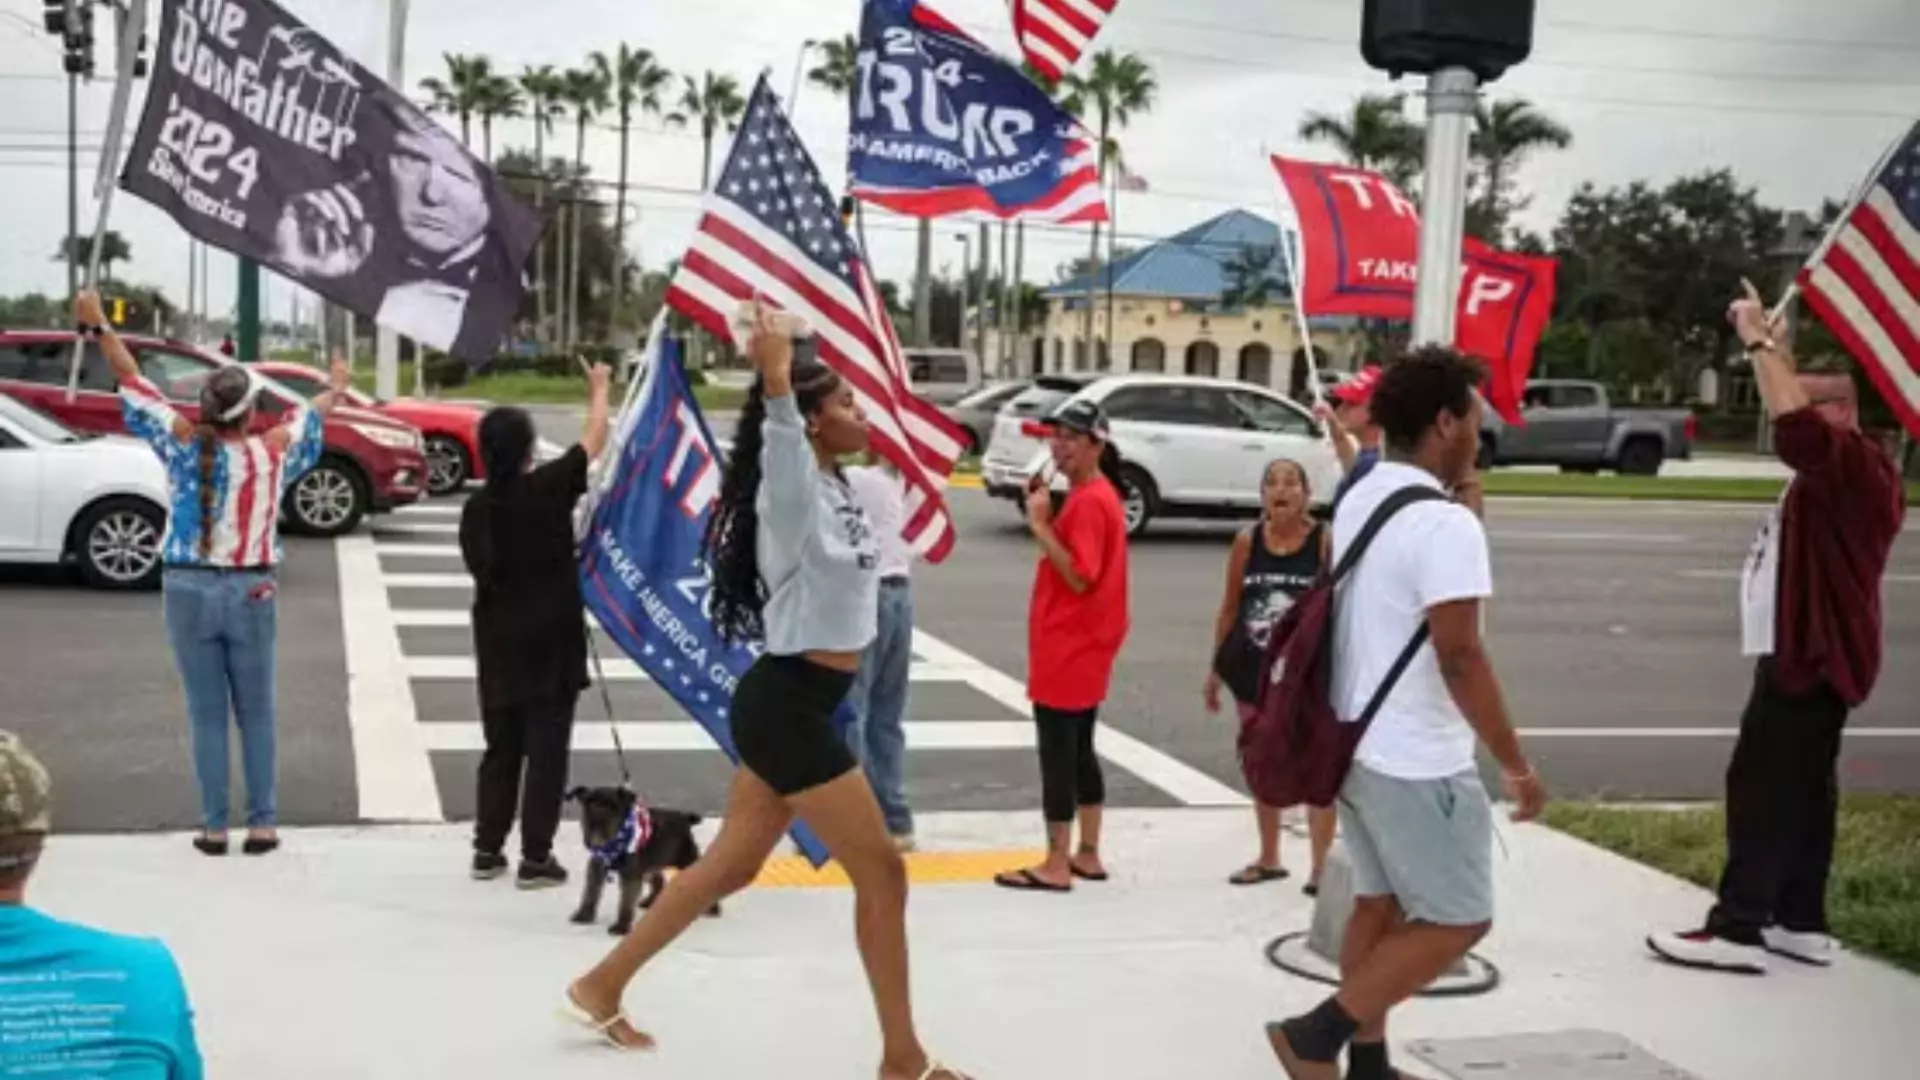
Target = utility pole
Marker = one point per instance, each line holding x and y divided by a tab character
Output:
386	369
966	286
923	286
986	267
246	336
1452	94
72	22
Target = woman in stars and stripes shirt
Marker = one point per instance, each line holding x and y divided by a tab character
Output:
221	549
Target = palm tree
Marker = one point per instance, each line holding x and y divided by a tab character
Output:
462	92
637	80
113	248
499	98
1504	134
1118	87
839	68
1376	136
713	102
587	95
543	89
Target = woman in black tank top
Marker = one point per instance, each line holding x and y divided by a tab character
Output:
1271	564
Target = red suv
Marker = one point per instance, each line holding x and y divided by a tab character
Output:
370	464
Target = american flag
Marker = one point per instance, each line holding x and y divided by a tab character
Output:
1055	33
770	228
1865	281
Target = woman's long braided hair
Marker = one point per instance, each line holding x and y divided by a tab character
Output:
223	390
739	592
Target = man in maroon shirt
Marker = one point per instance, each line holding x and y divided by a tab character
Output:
1810	614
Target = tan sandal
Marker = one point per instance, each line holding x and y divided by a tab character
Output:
572	1012
934	1068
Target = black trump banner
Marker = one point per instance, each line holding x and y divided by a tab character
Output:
262	138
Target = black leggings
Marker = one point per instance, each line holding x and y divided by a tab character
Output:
1069	769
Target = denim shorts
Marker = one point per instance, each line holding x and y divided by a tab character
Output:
1426	843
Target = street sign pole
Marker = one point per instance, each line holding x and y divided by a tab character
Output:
1452	94
246	336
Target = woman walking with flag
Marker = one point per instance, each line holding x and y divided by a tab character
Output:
221	550
796	565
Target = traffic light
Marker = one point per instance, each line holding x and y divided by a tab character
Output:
54	18
1423	36
74	23
118	315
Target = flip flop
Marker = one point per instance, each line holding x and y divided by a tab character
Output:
1085	876
1260	875
934	1069
1027	881
571	1012
207	845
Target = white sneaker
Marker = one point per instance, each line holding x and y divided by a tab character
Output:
1700	949
905	844
1816	949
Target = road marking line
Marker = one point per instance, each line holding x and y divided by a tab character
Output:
1735	575
1171	775
392	771
685	736
420	551
1694	733
1592	537
426	581
415	528
430	510
619	669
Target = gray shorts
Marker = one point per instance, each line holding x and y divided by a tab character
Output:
1426	843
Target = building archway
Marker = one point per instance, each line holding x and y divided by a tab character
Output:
1149	355
1102	358
1059	355
1203	358
1256	364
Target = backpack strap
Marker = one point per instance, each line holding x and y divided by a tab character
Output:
1393	504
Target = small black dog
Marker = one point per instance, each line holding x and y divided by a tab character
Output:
639	844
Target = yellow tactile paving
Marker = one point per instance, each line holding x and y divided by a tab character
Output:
923	868
967	481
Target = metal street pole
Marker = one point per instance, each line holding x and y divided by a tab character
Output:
386	369
1451	96
73	178
980	324
1001	305
966	286
923	286
246	336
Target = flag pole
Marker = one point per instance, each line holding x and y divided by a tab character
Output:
131	29
1860	194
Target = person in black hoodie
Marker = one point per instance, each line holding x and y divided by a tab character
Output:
529	632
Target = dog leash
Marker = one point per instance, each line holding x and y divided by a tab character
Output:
606	702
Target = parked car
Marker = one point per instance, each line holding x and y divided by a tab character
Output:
1189	447
943	376
975	413
451	429
1574	425
97	503
370	464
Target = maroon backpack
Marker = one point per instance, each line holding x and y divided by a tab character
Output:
1294	748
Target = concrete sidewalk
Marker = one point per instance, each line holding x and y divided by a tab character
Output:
368	953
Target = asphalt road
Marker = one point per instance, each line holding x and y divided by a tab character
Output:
1614	631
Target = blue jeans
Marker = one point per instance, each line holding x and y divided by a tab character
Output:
222	626
879	699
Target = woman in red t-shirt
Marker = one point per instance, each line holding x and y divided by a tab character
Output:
1077	624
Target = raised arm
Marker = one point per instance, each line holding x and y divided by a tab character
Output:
787	462
302	434
1344	443
147	413
1774	370
593	437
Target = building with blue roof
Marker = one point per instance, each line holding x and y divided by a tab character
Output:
1214	300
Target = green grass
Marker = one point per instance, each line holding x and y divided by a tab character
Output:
1611	486
1874	897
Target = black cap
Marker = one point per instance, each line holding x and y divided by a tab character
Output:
1083	416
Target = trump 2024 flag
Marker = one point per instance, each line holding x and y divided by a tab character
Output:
264	139
643	570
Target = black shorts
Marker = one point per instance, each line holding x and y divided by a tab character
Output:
783	723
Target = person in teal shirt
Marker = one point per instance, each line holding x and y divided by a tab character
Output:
77	1003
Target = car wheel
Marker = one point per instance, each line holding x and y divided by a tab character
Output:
1139	499
1641	457
447	465
328	501
117	542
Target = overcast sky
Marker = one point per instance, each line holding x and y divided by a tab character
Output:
1797	98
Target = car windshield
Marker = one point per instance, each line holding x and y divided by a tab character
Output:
1040	399
36	423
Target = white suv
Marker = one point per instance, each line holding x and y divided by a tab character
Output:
1189	447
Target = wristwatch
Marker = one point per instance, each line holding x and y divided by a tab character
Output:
91	333
1763	345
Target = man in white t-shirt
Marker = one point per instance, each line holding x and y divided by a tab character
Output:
878	736
1416	819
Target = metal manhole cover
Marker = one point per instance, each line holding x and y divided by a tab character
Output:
1553	1055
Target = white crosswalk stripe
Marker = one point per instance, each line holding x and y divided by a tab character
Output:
414	550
